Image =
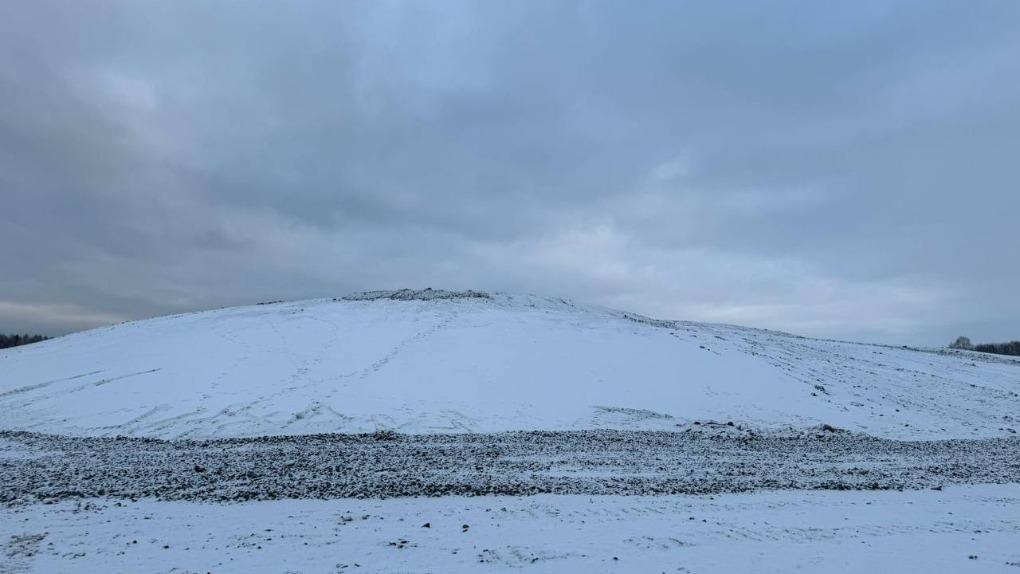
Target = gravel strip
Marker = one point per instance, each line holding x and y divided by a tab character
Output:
46	468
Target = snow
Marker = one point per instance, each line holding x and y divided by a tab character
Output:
427	362
772	531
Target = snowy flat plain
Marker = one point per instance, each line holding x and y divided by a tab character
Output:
184	444
788	531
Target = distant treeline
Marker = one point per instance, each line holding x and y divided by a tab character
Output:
15	340
1010	348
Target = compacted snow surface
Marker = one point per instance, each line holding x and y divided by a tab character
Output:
501	433
774	531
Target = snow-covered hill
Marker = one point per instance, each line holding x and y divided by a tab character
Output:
435	361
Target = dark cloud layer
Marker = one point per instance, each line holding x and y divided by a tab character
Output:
838	170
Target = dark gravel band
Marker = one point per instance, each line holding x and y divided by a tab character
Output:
35	467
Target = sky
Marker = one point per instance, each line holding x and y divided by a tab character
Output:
847	170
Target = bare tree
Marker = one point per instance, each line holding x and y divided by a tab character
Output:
962	343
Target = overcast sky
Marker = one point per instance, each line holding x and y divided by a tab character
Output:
838	169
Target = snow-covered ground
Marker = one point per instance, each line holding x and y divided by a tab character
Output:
423	363
750	477
958	530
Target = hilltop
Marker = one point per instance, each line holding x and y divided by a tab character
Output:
433	361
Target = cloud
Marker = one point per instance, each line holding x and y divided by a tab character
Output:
842	171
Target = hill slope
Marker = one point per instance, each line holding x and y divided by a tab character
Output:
432	361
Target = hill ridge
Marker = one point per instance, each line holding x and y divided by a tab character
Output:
436	361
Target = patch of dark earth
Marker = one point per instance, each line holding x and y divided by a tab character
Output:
48	468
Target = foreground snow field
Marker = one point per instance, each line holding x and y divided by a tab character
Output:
959	529
431	361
